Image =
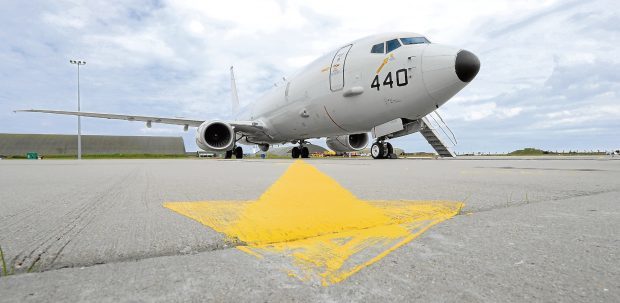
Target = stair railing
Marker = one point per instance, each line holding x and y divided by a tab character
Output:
450	136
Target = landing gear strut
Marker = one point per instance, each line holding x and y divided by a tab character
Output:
381	150
301	151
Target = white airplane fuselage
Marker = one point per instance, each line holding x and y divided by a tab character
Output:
351	90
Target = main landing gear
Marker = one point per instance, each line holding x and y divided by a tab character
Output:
301	151
381	150
237	151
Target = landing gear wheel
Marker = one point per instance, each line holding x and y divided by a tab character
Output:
295	152
389	150
305	153
377	150
228	154
238	152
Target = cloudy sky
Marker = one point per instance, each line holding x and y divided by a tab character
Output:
549	78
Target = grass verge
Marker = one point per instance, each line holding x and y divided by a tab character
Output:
4	271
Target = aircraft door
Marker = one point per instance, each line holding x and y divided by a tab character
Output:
336	71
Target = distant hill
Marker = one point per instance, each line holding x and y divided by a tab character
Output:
528	151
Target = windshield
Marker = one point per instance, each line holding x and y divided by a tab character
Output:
378	48
414	40
392	45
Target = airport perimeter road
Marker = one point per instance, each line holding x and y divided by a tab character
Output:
97	230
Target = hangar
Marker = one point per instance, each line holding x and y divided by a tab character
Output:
52	144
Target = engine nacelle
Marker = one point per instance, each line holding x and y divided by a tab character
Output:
347	143
215	136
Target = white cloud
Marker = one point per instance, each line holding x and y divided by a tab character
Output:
482	111
578	116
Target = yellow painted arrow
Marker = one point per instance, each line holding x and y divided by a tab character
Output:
326	232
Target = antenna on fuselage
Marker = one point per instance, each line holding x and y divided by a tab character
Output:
233	92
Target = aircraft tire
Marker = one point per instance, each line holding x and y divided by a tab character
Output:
295	152
228	154
377	150
389	150
305	153
238	152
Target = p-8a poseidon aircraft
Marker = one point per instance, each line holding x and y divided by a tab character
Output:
383	84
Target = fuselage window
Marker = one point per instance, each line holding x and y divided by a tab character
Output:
392	45
414	40
378	48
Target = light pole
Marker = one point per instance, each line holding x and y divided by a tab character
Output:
79	147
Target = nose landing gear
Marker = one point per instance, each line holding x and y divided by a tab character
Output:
381	150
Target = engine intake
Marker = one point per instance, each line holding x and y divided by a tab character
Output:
215	136
347	143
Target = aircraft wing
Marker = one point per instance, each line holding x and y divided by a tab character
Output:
242	126
176	121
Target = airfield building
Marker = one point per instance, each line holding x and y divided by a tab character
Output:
47	145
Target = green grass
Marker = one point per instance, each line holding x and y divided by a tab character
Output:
530	151
420	154
4	271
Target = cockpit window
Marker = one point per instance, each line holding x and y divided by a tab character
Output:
414	40
378	48
392	45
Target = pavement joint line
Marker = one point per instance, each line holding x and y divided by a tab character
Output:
229	245
132	259
543	168
232	245
530	202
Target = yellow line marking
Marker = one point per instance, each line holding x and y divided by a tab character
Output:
326	232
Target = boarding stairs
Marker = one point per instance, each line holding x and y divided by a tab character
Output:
430	128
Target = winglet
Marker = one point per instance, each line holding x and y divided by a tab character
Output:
233	89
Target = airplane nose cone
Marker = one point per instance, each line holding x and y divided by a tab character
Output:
467	65
446	70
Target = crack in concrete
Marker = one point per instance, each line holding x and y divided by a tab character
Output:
521	203
140	257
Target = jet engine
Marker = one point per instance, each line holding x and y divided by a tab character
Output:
347	143
215	136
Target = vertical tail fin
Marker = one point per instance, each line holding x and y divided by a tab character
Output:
233	90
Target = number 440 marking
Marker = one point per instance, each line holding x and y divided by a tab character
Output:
401	79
